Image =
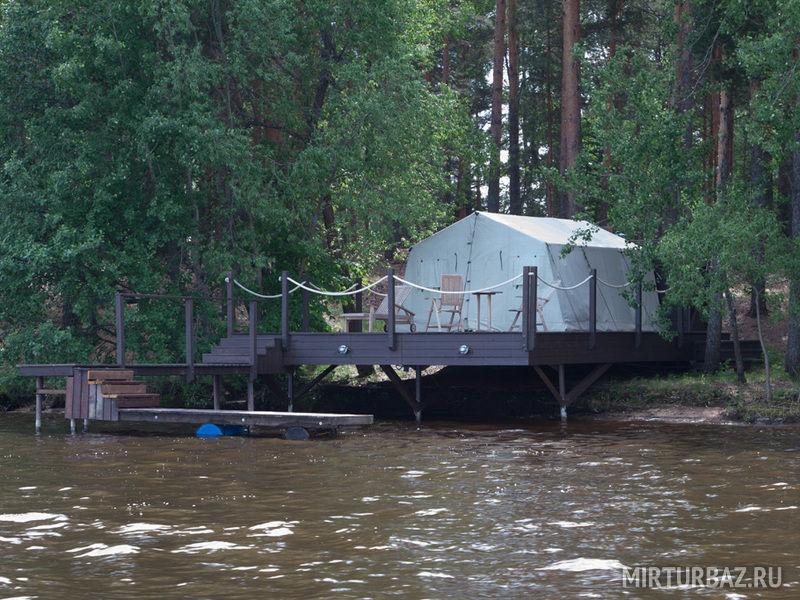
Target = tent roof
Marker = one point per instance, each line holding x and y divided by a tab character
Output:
557	231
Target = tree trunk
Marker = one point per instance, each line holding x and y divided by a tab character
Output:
714	327
570	102
737	347
514	203
793	337
681	101
446	61
761	190
764	353
711	357
493	198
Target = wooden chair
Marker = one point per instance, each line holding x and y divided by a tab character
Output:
402	316
540	304
447	303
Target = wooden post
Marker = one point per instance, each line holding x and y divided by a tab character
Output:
530	280
418	392
217	391
593	309
638	335
189	316
119	307
357	326
306	297
290	390
229	302
390	324
39	386
253	340
251	396
285	309
562	391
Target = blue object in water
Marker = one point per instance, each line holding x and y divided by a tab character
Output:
209	430
234	430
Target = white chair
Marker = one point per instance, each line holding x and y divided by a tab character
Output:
447	303
541	302
402	316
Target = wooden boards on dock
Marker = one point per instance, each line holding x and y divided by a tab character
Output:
243	417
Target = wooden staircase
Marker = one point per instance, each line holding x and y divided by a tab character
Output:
120	386
235	350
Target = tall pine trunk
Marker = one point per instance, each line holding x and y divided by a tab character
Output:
761	190
714	327
514	202
570	102
493	198
793	337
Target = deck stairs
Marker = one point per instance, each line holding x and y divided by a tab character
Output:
235	350
120	386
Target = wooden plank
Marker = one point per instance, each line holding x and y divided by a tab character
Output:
52	392
93	395
128	387
84	414
241	417
69	398
101	374
108	412
138	401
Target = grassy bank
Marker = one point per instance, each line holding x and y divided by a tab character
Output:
743	402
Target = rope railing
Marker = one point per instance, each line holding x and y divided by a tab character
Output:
348	292
353	289
266	297
438	291
564	288
616	287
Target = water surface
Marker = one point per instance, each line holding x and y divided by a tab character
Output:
523	511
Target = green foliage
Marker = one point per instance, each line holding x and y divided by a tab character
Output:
152	146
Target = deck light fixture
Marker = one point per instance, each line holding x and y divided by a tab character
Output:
344	349
463	349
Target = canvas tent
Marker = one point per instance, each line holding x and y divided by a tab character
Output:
488	248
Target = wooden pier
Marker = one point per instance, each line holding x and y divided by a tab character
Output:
98	392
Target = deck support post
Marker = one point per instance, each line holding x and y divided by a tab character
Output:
530	280
390	324
251	396
217	379
592	310
229	309
638	334
119	309
189	316
561	395
285	309
414	403
73	428
418	391
306	298
290	390
39	386
85	425
253	350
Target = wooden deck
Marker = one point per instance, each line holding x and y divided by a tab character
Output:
261	356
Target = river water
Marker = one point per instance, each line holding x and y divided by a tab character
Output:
524	511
